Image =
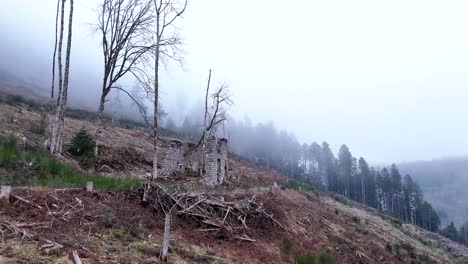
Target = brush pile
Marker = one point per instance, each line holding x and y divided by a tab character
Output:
213	214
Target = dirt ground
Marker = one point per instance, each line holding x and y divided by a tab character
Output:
117	228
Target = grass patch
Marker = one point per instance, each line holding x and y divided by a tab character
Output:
407	247
340	199
37	168
287	245
296	185
321	257
426	259
397	223
305	259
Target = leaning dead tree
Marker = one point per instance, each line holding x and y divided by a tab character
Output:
215	113
55	141
126	28
167	47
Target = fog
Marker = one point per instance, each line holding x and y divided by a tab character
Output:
388	79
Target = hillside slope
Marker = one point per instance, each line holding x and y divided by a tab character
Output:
115	227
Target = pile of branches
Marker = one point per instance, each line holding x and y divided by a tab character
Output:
213	214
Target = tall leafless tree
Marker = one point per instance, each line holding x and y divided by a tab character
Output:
167	47
54	56
126	28
62	94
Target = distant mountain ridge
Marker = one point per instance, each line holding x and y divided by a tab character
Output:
14	85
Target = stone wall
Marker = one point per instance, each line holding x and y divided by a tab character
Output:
216	161
182	157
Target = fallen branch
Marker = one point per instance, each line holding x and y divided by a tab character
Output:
26	201
213	213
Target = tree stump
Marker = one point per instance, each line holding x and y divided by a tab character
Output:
89	186
5	196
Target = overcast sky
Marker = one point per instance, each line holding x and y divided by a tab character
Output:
388	78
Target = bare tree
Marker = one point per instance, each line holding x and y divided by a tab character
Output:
215	114
167	47
126	31
62	94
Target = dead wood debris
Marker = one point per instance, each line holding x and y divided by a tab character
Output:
8	230
213	214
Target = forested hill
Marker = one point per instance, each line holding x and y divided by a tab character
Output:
444	182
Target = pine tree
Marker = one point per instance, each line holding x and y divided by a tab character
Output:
328	166
451	232
345	165
364	174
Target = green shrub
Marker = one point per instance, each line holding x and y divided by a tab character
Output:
296	185
397	223
321	257
340	199
287	245
9	153
389	247
82	144
40	126
305	259
426	259
324	258
356	219
407	247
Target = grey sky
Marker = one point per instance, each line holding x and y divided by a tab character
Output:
388	78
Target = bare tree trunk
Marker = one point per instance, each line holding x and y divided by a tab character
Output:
99	123
156	100
56	123
205	125
56	142
363	190
52	92
167	234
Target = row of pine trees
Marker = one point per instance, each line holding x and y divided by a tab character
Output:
384	189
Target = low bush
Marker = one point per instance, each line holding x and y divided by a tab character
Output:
305	259
82	144
321	257
426	259
356	219
296	185
340	199
407	247
287	245
324	258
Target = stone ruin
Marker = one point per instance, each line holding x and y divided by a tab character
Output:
185	157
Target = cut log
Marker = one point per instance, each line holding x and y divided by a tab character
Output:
76	258
5	196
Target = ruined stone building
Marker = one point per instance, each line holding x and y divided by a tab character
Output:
184	157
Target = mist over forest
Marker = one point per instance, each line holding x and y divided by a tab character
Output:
353	119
